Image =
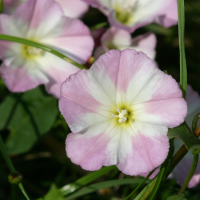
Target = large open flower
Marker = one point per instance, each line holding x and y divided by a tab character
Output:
132	14
25	67
119	112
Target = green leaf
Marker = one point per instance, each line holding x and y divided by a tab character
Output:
27	116
184	133
53	194
67	189
176	197
105	184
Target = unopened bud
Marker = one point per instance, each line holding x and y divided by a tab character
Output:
15	178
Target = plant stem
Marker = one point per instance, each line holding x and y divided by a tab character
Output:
183	66
192	170
6	156
40	46
10	164
195	120
23	191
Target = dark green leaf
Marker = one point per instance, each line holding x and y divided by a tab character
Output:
184	133
27	116
176	197
105	184
53	194
67	189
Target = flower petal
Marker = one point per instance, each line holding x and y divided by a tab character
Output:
41	16
20	76
146	43
90	152
140	80
57	70
168	15
73	39
144	152
73	8
169	112
96	86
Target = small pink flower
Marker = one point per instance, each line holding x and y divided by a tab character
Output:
182	169
119	112
25	67
120	39
132	14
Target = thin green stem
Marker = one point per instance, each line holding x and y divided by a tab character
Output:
6	156
23	191
10	165
143	195
183	66
140	185
192	170
100	25
195	120
40	46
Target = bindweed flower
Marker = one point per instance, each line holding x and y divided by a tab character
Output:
71	8
181	171
119	112
25	67
132	14
120	39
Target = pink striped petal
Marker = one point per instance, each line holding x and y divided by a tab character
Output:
90	152
73	8
96	86
146	43
170	112
168	15
57	70
145	153
38	15
73	39
22	78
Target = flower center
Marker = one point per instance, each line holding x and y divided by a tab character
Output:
124	14
30	52
121	116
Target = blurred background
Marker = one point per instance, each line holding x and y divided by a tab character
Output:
34	130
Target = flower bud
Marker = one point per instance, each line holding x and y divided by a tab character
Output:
15	178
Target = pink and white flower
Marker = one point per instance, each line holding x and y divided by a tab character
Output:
71	8
182	169
25	67
132	14
119	112
120	39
